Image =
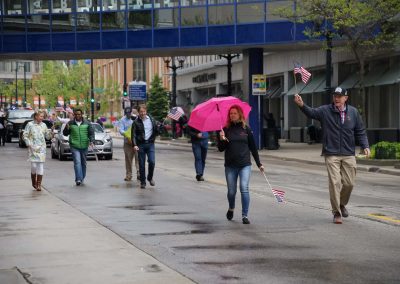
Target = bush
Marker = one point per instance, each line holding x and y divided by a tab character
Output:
385	150
108	125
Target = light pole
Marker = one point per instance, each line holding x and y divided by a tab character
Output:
17	66
229	58
174	67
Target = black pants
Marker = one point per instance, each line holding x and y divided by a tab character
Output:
3	136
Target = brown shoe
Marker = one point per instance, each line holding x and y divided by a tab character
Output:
39	182
337	219
127	179
33	178
344	211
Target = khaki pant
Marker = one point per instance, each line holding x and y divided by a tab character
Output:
341	174
129	155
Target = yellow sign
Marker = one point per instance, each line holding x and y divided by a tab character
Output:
259	85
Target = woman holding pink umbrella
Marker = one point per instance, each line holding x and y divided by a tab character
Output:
237	140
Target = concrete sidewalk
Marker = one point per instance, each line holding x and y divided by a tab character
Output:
45	240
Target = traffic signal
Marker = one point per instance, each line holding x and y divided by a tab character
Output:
92	100
98	106
125	93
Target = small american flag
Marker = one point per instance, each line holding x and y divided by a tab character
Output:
279	194
175	113
305	75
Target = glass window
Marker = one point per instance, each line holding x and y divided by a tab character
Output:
88	5
61	6
193	2
63	23
113	5
38	6
38	23
220	1
14	7
87	22
271	6
14	24
166	18
166	3
139	73
139	20
140	4
250	13
193	16
220	15
113	21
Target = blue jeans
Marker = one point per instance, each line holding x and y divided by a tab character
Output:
146	149
79	157
200	155
232	175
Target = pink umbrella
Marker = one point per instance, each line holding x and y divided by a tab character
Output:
212	114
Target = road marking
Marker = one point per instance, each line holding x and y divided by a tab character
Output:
383	217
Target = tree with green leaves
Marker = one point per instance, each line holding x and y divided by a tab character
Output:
158	102
365	27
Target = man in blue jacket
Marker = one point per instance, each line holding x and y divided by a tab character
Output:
342	126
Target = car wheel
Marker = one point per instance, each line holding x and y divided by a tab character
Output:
60	156
108	157
20	144
8	139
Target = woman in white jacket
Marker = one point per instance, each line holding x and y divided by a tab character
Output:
34	136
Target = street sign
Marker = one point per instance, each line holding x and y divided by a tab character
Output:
259	85
137	90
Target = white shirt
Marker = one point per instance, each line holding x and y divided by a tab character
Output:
148	127
78	122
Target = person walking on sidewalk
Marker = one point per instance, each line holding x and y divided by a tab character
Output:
237	140
34	137
81	136
342	126
199	147
144	132
124	124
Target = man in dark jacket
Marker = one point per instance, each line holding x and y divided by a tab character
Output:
342	126
81	135
144	132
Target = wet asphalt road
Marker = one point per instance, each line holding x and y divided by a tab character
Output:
182	223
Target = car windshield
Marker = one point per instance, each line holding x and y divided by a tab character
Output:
20	114
97	128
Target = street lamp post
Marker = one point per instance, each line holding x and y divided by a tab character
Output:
24	102
174	67
17	66
229	58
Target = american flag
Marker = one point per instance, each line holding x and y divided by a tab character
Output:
279	194
175	113
305	75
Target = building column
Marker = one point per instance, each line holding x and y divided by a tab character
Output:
253	60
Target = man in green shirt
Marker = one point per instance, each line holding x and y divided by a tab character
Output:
81	136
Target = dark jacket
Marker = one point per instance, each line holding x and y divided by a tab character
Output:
339	139
237	150
79	136
193	135
138	131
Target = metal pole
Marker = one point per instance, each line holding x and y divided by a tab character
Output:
124	88
16	83
173	101
24	103
91	91
39	100
328	71
229	59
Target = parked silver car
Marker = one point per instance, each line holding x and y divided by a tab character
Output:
103	144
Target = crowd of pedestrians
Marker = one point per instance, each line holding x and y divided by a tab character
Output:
342	125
